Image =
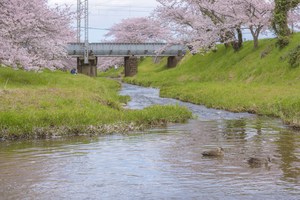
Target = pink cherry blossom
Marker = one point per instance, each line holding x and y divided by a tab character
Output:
138	30
34	35
201	24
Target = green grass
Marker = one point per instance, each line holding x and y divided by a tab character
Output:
58	103
111	73
237	82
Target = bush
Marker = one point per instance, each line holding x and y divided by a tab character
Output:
282	41
294	56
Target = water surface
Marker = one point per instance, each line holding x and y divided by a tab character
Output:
160	163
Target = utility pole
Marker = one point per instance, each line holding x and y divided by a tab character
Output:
82	5
79	8
86	32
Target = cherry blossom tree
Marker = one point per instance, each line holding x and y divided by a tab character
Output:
257	17
197	24
33	35
139	30
200	24
106	62
294	18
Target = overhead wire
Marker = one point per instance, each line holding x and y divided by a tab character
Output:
125	6
124	10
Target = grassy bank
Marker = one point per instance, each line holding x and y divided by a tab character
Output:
58	103
238	82
111	73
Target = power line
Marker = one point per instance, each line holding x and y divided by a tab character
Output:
103	3
121	15
124	10
94	28
124	6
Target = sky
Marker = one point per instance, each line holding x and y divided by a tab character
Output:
103	14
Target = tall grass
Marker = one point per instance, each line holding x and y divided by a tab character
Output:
238	82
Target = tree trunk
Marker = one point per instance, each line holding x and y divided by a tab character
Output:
237	44
226	45
286	30
255	35
240	37
255	40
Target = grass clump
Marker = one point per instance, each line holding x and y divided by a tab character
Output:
261	81
39	105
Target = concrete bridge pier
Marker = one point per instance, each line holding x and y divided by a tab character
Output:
89	69
173	60
131	65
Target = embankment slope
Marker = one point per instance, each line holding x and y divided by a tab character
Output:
256	81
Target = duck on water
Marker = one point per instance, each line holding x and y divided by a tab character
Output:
254	160
219	152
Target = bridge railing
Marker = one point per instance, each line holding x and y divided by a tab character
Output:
124	49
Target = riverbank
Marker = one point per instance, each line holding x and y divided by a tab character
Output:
260	82
111	73
41	105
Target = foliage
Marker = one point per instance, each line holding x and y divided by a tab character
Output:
281	15
282	41
138	30
294	56
106	62
201	24
33	35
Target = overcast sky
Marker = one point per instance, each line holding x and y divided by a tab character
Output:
105	13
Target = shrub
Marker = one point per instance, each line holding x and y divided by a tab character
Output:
282	41
294	56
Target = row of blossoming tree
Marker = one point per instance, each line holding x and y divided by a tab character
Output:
201	24
34	35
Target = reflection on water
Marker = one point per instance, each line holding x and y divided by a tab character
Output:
161	163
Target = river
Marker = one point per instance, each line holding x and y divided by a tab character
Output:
159	163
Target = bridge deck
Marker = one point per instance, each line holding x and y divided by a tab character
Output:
124	49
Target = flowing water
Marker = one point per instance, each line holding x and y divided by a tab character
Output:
160	163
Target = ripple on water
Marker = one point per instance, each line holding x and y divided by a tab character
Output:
161	163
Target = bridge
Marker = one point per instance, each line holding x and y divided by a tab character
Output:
130	52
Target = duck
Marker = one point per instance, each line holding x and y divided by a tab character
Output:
259	160
219	152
